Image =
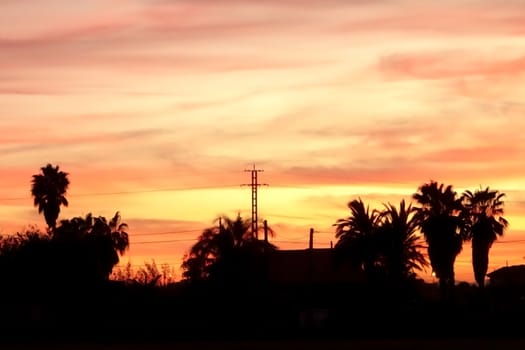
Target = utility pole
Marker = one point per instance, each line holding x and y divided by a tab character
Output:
266	232
254	185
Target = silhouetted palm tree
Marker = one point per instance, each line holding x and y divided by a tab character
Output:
92	244
441	223
357	237
225	251
484	209
400	243
383	244
48	190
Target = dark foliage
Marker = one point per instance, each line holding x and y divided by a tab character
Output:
82	252
48	190
484	209
443	225
385	245
228	252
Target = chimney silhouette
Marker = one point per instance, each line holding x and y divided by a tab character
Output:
265	232
311	245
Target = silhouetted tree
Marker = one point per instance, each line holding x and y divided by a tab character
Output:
26	259
385	245
400	243
48	190
226	251
93	243
442	226
484	209
357	237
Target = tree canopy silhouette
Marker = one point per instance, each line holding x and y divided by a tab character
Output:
357	237
93	243
486	222
82	251
400	243
440	213
48	190
227	251
27	260
384	244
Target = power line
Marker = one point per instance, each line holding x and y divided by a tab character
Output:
93	194
292	241
288	216
298	238
289	241
163	233
511	241
165	241
175	189
172	189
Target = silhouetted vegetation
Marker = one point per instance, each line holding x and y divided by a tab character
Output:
146	275
67	281
94	243
357	238
227	252
440	213
81	252
48	190
484	210
383	244
400	245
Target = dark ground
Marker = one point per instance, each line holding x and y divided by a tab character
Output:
276	318
363	344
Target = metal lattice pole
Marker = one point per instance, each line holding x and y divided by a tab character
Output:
254	186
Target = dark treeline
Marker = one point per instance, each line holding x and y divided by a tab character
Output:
57	283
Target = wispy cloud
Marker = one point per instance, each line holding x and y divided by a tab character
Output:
446	65
444	18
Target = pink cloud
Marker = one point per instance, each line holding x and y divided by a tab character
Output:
24	137
403	171
61	47
480	154
447	65
491	88
444	18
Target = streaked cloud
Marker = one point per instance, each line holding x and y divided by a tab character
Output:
447	65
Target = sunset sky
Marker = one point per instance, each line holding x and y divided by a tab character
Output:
155	108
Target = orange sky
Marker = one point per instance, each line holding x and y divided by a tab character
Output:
334	99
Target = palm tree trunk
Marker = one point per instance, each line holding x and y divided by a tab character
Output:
447	281
480	260
443	289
